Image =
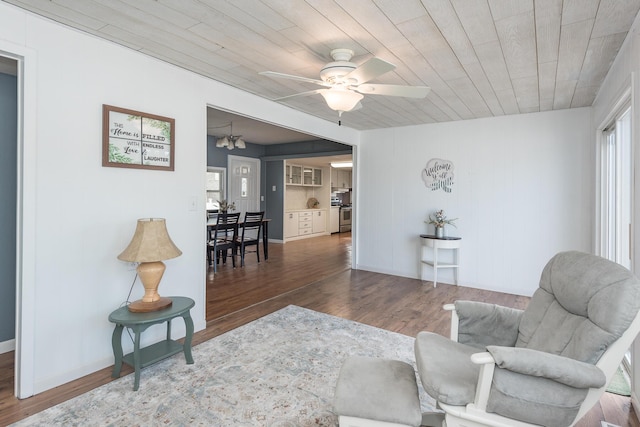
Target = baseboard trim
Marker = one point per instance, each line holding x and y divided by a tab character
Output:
57	380
7	346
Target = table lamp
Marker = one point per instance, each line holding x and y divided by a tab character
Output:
149	246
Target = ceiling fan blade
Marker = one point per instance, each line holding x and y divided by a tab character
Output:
370	70
394	90
310	92
292	77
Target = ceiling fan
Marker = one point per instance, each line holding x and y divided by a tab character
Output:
347	82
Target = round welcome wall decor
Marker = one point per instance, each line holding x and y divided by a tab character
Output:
438	175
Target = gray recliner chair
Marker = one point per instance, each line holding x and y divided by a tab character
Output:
546	365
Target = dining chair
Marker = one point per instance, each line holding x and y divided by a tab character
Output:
222	237
249	234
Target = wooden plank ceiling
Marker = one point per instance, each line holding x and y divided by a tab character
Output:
481	58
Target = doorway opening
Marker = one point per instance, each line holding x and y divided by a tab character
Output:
268	150
14	298
9	108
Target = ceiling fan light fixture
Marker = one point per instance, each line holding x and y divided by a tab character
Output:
341	100
230	141
222	142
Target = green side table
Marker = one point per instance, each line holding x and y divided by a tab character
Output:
139	322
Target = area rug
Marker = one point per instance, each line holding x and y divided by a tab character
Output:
277	371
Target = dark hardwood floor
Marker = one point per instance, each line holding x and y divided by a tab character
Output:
313	273
290	266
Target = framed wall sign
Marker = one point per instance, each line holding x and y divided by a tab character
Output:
131	139
438	175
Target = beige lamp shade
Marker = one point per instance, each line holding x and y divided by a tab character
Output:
149	246
150	242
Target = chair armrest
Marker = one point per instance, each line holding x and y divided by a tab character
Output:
532	362
485	378
482	324
453	333
564	370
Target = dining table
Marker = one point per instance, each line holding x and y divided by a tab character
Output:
212	220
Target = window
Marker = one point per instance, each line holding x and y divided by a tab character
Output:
616	189
216	187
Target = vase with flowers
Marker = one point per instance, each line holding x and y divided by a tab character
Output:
439	220
225	206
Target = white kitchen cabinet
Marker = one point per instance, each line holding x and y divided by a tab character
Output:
307	175
319	222
293	174
311	177
343	178
290	224
303	175
317	177
304	223
334	177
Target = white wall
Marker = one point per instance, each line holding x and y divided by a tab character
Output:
622	76
523	192
84	214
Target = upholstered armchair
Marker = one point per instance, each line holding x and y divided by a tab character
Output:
546	365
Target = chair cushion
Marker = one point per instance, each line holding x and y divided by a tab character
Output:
584	303
538	387
378	389
481	324
445	368
533	399
558	368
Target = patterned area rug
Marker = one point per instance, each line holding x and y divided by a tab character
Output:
277	371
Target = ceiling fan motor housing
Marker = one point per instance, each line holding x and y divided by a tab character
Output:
334	71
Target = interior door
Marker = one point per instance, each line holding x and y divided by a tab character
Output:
244	183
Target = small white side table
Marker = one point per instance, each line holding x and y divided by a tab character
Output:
431	241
